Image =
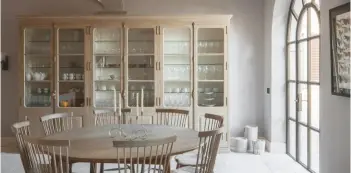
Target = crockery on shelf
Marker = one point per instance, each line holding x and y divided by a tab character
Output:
46	90
71	76
28	77
65	76
39	90
78	76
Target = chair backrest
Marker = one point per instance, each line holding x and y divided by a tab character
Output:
144	119
146	153
48	156
172	117
106	117
59	122
21	129
211	122
208	149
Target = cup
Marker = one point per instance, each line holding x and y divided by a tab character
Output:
39	90
112	87
103	87
78	76
71	76
200	90
65	76
82	76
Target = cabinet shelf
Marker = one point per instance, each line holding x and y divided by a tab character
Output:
140	80
140	54
176	54
210	80
211	54
107	54
38	81
38	54
38	41
71	81
107	41
177	81
107	80
71	54
39	66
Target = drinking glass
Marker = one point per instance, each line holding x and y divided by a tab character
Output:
213	72
205	47
199	71
211	46
206	71
201	46
217	46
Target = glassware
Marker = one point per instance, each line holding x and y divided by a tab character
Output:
200	70
206	70
211	46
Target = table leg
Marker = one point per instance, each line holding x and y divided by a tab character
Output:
93	168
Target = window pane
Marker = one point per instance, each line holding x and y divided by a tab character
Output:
297	6
292	138
302	149
314	151
314	25
292	61
303	103
303	26
314	89
314	60
302	61
292	98
292	28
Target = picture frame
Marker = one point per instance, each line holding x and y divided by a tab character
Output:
339	20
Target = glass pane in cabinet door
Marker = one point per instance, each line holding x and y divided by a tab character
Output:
141	70
107	66
210	67
37	66
177	71
71	67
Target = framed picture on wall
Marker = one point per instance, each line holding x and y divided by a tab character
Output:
340	49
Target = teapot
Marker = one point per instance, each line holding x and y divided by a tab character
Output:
36	75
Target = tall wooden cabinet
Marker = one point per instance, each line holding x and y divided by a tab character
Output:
74	64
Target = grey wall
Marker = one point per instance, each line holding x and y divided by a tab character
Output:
246	58
334	110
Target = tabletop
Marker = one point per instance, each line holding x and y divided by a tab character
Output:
94	144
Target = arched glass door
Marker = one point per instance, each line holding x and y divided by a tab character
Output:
303	41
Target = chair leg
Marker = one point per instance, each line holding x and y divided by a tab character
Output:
101	167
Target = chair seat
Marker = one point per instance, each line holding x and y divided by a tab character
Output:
187	159
186	169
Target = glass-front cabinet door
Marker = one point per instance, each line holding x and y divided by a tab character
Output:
70	65
37	67
140	67
210	74
176	61
211	65
107	69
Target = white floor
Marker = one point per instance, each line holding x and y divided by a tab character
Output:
226	163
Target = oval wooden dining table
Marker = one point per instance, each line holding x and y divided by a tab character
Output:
94	144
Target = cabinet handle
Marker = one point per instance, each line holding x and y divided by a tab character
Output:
86	101
192	94
159	101
20	101
87	66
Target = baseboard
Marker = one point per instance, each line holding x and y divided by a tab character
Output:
276	147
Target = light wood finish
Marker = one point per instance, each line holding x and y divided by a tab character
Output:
106	117
124	24
55	159
97	141
211	122
145	154
172	117
55	123
21	129
207	153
